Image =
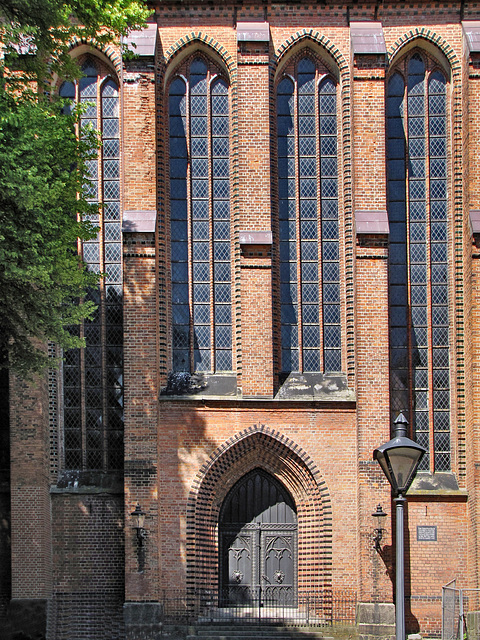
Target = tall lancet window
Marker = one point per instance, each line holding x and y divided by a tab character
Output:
93	376
199	149
418	254
308	220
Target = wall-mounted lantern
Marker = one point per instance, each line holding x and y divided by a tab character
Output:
139	520
379	517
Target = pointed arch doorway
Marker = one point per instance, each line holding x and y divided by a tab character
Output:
258	543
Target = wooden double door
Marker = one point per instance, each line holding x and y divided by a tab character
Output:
258	544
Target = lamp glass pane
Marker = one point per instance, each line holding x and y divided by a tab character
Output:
383	463
379	518
381	521
403	461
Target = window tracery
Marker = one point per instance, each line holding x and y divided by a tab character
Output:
310	305
417	172
200	248
93	376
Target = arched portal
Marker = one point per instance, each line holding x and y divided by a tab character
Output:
260	447
258	543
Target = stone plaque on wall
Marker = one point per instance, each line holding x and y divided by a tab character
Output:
426	533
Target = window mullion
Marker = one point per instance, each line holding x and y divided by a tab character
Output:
103	331
298	233
81	380
321	327
318	158
188	128
83	403
210	226
429	283
410	407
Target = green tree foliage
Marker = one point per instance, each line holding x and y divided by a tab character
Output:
48	28
43	173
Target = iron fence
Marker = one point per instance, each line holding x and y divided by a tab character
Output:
460	613
322	609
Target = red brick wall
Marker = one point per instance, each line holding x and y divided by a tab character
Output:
30	483
5	547
182	456
141	388
190	432
88	565
202	454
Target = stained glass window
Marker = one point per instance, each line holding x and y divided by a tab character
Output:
418	256
200	220
93	376
308	220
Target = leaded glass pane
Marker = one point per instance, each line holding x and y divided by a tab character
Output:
310	313
201	314
209	158
202	359
102	111
311	360
289	360
424	284
180	360
333	360
223	360
113	252
298	117
288	272
181	314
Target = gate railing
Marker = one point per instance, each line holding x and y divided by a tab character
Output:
460	613
322	609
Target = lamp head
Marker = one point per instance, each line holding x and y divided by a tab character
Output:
380	517
399	458
138	517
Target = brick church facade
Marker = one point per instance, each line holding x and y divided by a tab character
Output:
291	210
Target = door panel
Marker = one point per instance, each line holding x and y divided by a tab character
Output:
278	556
258	544
237	566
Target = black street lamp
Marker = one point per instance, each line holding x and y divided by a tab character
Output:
399	459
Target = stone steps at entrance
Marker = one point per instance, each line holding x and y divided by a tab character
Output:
257	632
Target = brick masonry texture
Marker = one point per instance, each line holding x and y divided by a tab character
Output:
73	551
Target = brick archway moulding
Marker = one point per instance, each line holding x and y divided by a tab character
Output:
108	51
200	38
260	446
319	39
423	33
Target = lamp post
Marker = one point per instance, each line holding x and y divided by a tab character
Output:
399	459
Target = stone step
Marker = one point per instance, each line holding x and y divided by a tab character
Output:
259	635
259	632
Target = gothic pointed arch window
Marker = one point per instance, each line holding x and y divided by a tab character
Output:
93	376
417	173
308	212
200	232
